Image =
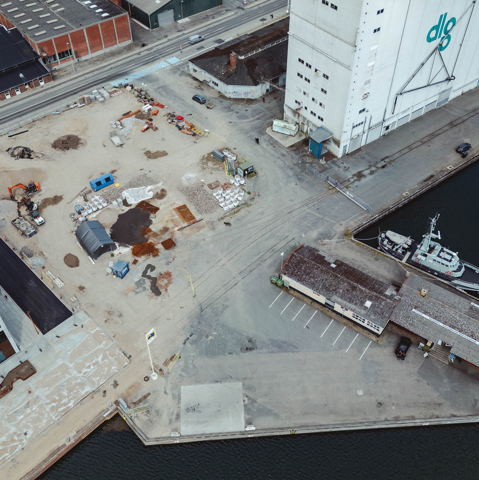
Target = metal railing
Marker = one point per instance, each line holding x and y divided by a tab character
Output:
346	193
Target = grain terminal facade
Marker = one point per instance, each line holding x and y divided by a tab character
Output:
363	68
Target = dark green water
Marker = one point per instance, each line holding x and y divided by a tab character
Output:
441	453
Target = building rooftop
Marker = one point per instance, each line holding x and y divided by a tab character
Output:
342	283
149	6
441	315
43	19
260	55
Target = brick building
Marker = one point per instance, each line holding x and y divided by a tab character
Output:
20	66
61	31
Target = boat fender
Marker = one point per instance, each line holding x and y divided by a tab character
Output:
449	273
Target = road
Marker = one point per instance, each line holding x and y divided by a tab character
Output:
215	34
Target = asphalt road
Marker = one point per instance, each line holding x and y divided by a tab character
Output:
29	292
215	33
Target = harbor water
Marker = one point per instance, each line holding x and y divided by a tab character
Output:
440	452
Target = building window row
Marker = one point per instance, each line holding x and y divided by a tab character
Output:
300	60
214	83
333	6
318	116
299	75
377	29
324	91
358	124
380	11
362	110
325	76
316	70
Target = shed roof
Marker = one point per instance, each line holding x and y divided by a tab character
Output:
320	135
43	19
149	6
260	55
342	283
441	315
94	239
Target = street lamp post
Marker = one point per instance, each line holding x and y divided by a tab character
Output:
282	253
73	61
24	80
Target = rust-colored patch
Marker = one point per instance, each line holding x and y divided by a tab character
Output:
147	207
143	249
160	195
168	244
135	261
164	281
154	155
214	185
184	213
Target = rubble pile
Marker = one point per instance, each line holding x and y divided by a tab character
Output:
202	200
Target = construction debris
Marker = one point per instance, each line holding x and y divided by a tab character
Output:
20	152
196	194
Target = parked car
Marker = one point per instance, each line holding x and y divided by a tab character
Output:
463	149
195	39
198	98
402	348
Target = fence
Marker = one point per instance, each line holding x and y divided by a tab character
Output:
346	193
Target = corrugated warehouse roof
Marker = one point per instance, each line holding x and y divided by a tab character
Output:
260	55
441	315
342	283
43	19
94	239
19	63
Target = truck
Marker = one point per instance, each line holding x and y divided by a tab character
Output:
37	218
24	226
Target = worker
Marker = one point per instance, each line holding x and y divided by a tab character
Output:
257	140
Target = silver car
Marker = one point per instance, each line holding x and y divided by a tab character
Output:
195	39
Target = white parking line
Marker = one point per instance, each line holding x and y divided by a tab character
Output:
276	299
298	313
327	328
354	339
365	350
311	318
339	334
286	306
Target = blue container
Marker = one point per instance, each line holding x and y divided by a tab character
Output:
102	182
120	269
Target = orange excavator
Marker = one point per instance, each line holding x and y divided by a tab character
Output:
30	189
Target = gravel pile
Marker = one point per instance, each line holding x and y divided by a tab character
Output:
8	209
113	193
196	194
36	261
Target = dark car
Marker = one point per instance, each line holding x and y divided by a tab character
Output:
199	99
464	148
402	348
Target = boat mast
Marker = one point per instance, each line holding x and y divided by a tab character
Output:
430	234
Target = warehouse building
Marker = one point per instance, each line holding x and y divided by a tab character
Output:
155	13
447	320
340	287
62	31
247	67
20	66
361	69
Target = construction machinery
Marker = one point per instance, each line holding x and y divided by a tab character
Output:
30	189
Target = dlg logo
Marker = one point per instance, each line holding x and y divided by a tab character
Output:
438	30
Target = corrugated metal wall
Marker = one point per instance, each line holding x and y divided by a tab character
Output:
192	7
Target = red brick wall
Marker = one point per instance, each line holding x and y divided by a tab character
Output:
116	2
61	43
94	38
35	83
108	33
79	44
47	47
6	22
123	28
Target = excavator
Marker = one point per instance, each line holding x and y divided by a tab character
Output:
30	189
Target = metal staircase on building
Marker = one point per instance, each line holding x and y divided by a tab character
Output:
441	353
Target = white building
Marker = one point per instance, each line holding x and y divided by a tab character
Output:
361	68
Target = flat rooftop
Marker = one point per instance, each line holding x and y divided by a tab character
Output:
441	315
41	20
260	55
342	283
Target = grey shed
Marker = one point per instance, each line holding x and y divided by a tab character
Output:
94	239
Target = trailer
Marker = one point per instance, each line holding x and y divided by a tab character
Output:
25	227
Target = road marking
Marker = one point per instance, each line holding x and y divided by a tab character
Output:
311	318
365	350
327	328
286	306
340	334
357	335
298	313
281	293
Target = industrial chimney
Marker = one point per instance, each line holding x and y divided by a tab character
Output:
232	60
